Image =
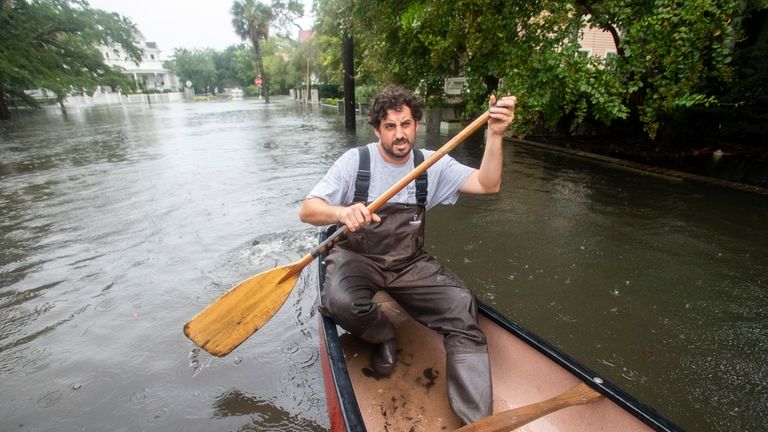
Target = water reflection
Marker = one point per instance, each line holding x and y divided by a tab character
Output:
118	223
263	415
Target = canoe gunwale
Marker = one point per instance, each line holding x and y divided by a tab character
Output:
350	409
337	365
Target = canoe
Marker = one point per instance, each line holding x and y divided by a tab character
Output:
528	374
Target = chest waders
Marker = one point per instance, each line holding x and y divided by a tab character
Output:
390	256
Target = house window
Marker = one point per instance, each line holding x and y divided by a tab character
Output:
583	53
610	55
152	56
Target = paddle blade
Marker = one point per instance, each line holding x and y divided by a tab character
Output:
238	313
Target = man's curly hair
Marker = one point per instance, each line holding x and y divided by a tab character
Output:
393	97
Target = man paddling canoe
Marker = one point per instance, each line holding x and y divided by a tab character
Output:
385	250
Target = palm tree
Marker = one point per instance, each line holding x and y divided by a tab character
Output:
251	20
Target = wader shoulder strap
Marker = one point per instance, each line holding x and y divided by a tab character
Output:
363	178
421	180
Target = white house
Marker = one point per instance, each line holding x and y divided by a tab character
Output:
150	72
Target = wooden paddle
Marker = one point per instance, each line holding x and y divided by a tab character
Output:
246	307
510	420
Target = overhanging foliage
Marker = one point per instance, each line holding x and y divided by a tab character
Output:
51	44
670	53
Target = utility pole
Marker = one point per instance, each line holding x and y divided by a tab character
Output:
348	60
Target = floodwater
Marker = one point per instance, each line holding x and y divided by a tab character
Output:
120	223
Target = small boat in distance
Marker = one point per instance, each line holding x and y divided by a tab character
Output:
536	387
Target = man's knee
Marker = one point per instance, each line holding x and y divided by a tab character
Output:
347	302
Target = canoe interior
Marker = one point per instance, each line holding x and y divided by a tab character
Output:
524	369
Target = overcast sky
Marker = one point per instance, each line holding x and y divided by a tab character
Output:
183	23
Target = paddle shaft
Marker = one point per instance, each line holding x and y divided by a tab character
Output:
392	191
510	420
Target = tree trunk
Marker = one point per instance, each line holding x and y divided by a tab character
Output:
5	113
260	64
264	81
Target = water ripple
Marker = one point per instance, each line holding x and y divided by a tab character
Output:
23	321
50	399
17	298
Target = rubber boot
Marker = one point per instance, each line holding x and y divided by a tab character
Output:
469	386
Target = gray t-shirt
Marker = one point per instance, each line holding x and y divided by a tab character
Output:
445	178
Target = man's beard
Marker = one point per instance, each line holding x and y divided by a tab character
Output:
390	150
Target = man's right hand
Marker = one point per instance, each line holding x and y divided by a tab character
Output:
356	216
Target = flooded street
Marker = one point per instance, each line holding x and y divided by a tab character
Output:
119	224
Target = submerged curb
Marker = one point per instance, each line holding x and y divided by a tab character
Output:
647	168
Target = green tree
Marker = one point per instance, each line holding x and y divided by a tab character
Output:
560	87
52	44
197	66
301	64
327	59
235	66
330	23
671	53
243	65
226	74
277	54
252	21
